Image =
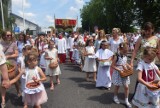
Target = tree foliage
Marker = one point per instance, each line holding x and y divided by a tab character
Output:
124	14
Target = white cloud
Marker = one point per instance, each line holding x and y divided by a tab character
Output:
27	14
50	19
79	3
18	3
73	9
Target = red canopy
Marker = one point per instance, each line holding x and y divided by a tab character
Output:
65	22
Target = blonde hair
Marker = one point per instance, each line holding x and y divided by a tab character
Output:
103	35
149	51
118	30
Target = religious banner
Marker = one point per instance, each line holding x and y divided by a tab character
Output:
65	22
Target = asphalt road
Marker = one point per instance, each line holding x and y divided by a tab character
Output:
74	92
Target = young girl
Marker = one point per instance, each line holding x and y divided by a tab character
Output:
76	55
21	64
42	58
37	95
52	55
104	57
120	60
89	63
147	72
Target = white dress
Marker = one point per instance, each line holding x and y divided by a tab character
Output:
34	96
103	74
114	45
49	71
90	63
143	96
116	78
76	56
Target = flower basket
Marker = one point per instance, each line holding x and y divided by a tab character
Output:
155	83
53	64
11	70
126	72
32	85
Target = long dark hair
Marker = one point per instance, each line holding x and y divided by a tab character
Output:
148	26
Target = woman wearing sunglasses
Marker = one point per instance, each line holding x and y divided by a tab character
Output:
11	52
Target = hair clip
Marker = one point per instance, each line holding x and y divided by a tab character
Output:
122	45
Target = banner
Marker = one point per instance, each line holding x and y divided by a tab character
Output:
65	22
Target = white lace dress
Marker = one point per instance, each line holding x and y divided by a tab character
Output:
49	71
90	63
34	96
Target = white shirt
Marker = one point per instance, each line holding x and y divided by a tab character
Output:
104	54
62	46
114	45
70	43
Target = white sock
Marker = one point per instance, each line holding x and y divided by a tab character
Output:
126	99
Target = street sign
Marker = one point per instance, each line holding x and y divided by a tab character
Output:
16	29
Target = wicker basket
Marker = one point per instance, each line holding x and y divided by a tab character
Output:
32	85
126	72
11	71
155	83
53	64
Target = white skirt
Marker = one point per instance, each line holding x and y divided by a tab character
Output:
142	99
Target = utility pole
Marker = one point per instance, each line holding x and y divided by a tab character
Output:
24	28
2	15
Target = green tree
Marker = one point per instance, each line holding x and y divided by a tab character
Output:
108	14
147	10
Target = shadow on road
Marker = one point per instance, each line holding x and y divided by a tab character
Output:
14	99
90	86
77	79
106	98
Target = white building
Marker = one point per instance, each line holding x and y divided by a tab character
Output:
34	28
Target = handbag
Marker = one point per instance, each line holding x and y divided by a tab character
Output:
53	64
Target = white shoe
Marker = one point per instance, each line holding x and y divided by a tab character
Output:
128	104
116	100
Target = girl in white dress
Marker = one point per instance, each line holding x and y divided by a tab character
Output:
52	54
34	95
42	58
90	63
147	72
118	61
104	57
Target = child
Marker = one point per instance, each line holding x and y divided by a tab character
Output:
104	57
147	72
42	58
90	63
119	61
52	54
21	64
37	95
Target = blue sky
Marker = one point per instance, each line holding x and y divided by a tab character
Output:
42	12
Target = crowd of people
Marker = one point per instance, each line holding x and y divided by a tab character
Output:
105	56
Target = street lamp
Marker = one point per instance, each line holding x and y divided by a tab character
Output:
2	15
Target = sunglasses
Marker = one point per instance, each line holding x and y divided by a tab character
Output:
8	35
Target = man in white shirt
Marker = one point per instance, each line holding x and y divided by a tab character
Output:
70	45
62	47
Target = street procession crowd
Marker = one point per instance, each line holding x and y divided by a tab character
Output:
26	62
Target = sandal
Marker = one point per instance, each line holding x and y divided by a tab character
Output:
52	87
58	82
3	105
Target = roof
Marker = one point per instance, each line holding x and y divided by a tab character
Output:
14	15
